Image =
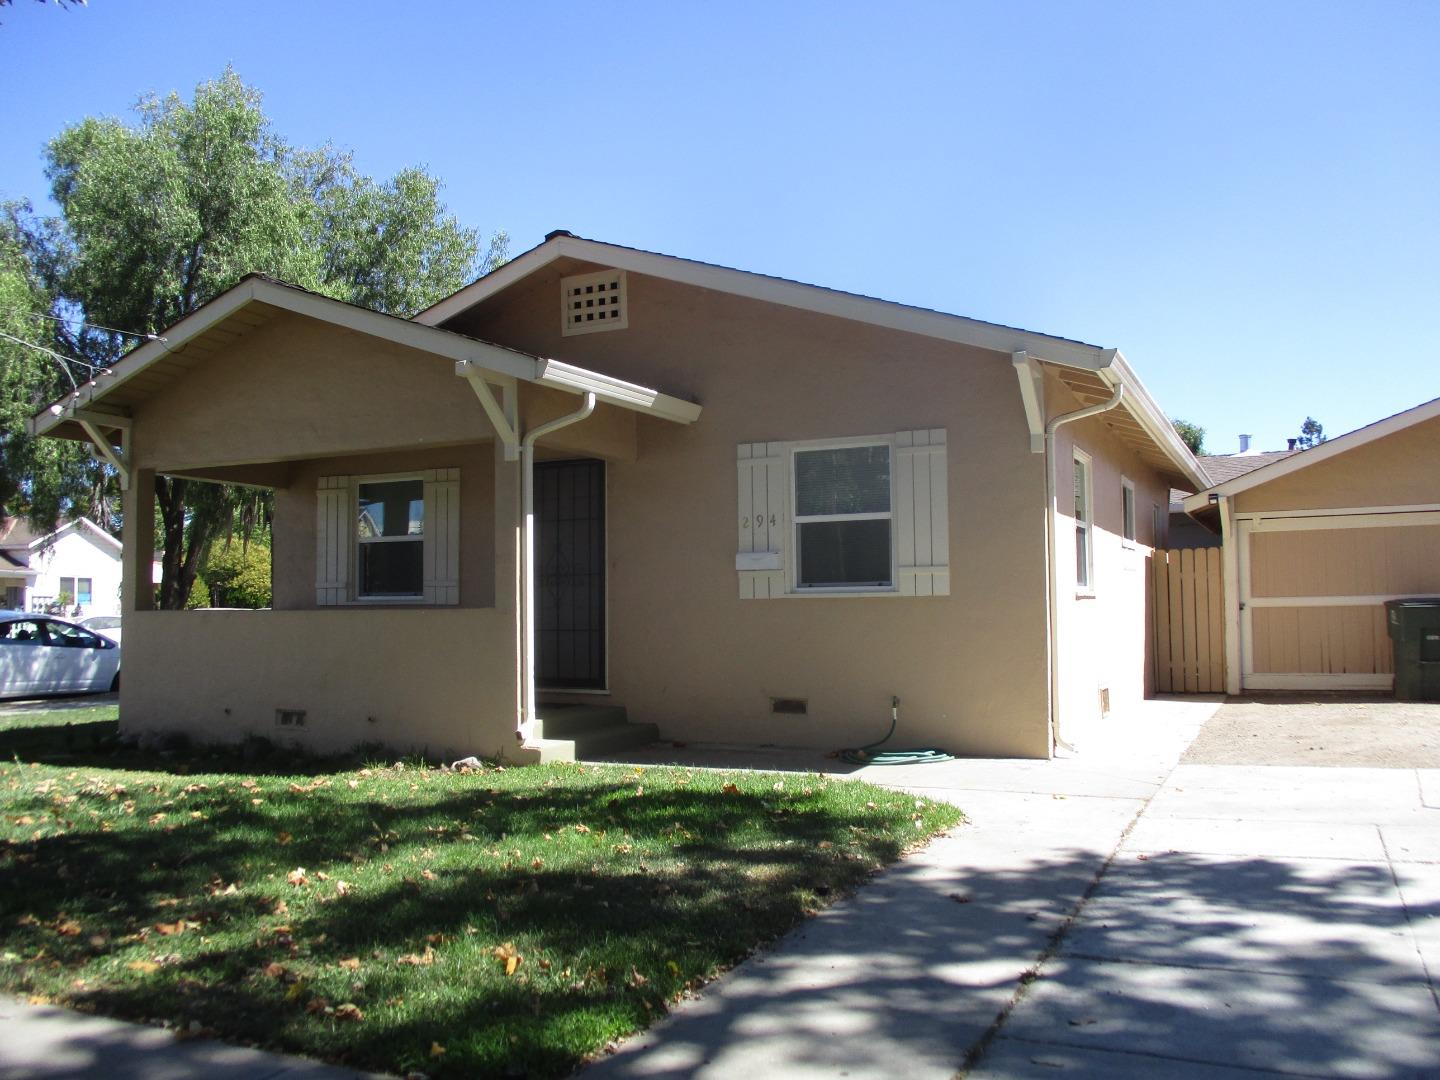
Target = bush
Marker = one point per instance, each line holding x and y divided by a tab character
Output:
237	576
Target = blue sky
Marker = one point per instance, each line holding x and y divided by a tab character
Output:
1243	197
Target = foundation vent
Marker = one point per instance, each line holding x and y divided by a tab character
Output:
289	717
790	706
590	302
1105	701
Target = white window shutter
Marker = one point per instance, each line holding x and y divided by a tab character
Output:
763	521
922	516
442	536
334	531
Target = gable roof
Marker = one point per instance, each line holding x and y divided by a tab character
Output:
1304	459
85	527
1091	372
255	300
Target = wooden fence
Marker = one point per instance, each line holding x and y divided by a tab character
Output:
1187	623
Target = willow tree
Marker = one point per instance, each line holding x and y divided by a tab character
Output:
160	215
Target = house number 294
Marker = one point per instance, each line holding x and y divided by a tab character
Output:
745	522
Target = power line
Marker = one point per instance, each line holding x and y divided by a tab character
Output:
79	322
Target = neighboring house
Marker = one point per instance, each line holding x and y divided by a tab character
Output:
1314	546
74	570
1186	531
758	511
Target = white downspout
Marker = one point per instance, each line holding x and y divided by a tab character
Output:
527	559
1051	588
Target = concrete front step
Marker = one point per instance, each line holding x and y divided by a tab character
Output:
577	732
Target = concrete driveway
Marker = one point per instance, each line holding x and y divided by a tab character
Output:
1109	915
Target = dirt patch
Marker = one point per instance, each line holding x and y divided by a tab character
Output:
1317	729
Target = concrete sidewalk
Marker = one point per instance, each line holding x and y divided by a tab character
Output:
911	973
1258	919
41	1042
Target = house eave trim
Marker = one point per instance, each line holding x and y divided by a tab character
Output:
1316	454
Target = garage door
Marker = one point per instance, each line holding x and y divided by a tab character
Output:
1313	588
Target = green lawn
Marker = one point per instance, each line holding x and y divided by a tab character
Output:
398	917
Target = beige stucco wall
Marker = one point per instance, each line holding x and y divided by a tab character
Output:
685	651
1398	470
440	681
1101	633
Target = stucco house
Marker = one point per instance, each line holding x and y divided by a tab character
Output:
738	507
76	567
1316	542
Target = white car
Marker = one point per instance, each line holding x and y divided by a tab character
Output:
40	654
105	625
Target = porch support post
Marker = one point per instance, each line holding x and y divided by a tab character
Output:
527	557
137	589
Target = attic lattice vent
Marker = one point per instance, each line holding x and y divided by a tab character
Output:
789	706
590	302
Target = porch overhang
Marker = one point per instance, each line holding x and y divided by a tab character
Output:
100	410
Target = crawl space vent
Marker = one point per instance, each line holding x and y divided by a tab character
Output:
289	717
591	302
790	706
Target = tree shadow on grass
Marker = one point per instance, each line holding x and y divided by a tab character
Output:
682	884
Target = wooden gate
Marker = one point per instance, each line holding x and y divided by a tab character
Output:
1186	601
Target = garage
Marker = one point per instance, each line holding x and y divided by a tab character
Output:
1315	544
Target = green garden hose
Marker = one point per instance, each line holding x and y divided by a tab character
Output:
868	755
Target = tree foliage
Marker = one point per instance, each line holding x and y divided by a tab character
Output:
1312	433
161	216
39	478
237	574
1192	435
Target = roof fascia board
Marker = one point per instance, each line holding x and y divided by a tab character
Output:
99	534
1316	454
794	294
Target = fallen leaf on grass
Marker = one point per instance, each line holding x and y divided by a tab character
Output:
730	789
424	959
297	877
283	838
349	1011
342	888
68	928
428	875
274	971
146	967
436	1050
350	963
508	956
173	929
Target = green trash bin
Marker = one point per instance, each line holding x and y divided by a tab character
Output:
1414	627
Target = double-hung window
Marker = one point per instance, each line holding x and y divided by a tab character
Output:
842	518
1084	525
390	538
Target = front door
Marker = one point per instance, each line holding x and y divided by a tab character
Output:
570	574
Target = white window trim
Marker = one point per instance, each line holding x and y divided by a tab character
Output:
356	540
1129	517
794	586
1085	589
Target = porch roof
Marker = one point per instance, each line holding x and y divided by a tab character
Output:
106	402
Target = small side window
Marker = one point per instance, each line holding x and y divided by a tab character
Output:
1084	525
1127	509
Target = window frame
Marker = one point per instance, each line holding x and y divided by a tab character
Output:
356	540
87	594
1129	525
1085	587
794	587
